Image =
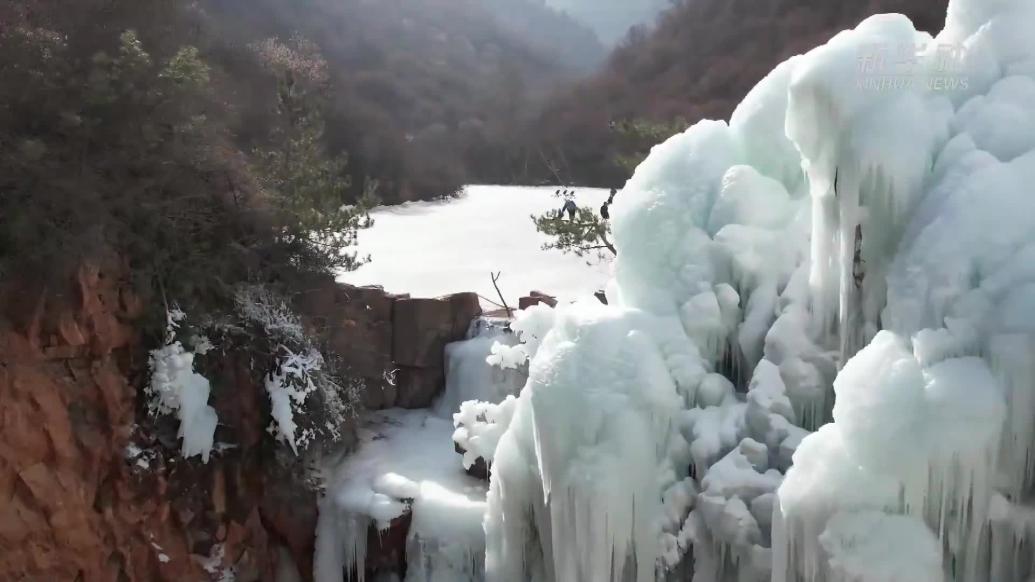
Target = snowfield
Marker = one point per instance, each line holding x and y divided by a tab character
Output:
817	363
428	249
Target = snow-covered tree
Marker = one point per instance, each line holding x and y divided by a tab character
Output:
311	397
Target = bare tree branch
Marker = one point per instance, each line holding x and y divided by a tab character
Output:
495	279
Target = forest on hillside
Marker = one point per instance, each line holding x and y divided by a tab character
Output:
121	141
422	96
283	107
697	62
611	19
246	139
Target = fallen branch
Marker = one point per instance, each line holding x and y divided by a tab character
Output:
495	278
487	300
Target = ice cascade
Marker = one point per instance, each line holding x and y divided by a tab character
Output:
852	254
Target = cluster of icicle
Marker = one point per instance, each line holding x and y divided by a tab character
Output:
866	215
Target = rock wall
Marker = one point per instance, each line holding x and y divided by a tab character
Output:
70	507
395	343
86	493
91	489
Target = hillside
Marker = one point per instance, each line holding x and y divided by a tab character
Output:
423	96
699	61
550	29
611	19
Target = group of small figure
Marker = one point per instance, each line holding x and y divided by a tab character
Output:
571	209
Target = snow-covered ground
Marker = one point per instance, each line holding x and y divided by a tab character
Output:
429	249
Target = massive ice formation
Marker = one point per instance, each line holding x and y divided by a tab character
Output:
868	208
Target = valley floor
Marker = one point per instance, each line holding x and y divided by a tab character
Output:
430	249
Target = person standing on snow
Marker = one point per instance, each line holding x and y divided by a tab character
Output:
570	208
605	211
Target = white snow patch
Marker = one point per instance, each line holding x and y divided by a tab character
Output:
479	426
428	249
289	386
175	388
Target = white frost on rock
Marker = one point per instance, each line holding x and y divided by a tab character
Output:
214	565
479	426
289	385
175	388
530	326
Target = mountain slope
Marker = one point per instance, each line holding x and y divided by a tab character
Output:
420	91
570	39
701	59
611	19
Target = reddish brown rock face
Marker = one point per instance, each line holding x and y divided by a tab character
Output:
394	343
536	298
85	495
357	322
386	550
89	493
72	507
418	387
421	330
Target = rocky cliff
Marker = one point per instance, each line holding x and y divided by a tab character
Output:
395	343
92	489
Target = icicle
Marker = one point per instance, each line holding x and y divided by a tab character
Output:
341	545
1013	361
1012	540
